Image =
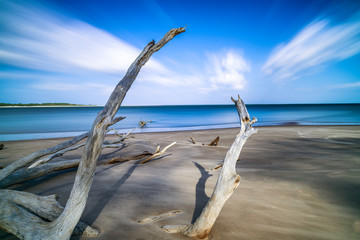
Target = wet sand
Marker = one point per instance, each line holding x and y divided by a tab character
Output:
297	182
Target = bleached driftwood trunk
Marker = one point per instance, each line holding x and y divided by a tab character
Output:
227	182
27	223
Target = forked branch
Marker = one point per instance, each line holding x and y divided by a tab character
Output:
227	182
158	153
26	225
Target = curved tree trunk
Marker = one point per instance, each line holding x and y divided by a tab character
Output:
25	224
227	182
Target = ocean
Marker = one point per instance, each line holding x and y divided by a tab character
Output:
23	123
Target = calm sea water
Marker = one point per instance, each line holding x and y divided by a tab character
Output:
49	122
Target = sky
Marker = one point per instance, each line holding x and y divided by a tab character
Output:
269	52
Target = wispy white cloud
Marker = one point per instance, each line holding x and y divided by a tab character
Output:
101	89
56	53
227	68
37	40
346	85
315	45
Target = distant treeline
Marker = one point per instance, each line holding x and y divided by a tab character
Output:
36	104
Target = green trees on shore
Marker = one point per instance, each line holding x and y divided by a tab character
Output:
37	104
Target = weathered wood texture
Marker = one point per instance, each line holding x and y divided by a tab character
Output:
25	161
227	182
129	158
147	156
26	225
44	207
215	141
44	167
25	174
158	153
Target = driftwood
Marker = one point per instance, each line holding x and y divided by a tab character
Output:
25	174
121	137
192	140
46	208
227	182
57	154
143	123
21	221
106	144
215	142
212	143
159	217
25	161
34	171
145	154
129	158
157	153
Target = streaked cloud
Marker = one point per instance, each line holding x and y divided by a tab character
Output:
346	85
101	89
54	53
314	46
227	69
36	40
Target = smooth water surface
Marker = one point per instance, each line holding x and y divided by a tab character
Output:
21	123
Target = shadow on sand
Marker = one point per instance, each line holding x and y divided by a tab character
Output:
201	197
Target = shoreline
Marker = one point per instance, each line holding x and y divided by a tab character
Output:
297	182
148	131
64	106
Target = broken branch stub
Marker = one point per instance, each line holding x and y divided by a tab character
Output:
227	182
215	142
26	225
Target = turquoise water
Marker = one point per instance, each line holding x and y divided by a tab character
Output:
49	122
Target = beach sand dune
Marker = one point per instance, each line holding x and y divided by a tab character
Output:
297	182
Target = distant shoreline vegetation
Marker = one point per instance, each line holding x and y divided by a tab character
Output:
43	105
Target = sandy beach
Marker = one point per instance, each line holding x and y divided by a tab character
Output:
297	182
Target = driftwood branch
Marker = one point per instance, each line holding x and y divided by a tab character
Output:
227	182
215	142
57	154
121	137
158	153
143	123
25	161
159	217
149	156
46	208
192	140
26	225
25	174
129	158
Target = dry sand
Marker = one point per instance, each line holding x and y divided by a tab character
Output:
297	182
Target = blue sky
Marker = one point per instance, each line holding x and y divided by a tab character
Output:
284	51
